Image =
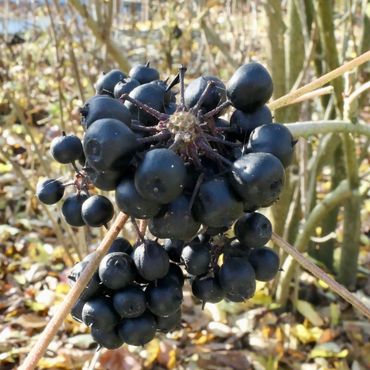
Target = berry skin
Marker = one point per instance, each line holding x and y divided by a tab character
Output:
76	311
247	122
144	73
107	82
249	87
174	249
166	223
107	339
125	87
97	211
258	178
104	180
196	257
237	279
139	330
132	203
163	297
175	274
275	139
109	145
129	302
216	95
50	191
121	245
103	106
207	289
265	263
166	324
236	249
116	270
216	205
161	176
151	95
253	230
99	313
72	209
151	260
66	149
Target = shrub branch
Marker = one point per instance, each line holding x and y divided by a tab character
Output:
64	309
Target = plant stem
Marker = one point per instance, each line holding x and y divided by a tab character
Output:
319	82
320	274
102	37
65	307
309	128
321	209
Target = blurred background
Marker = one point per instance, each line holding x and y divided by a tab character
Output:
51	53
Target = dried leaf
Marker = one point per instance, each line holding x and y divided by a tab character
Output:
329	349
306	309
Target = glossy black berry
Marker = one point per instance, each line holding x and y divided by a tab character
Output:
253	229
66	149
116	270
196	257
207	289
216	205
148	94
258	178
104	180
237	279
249	87
50	191
125	87
102	106
76	311
174	248
132	203
167	223
99	313
216	95
265	262
275	139
107	81
109	145
247	122
163	297
139	330
144	73
129	302
166	324
109	339
151	260
161	176
121	245
97	211
72	209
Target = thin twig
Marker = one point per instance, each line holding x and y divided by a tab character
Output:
65	307
320	274
321	81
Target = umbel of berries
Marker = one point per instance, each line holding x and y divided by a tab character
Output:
171	158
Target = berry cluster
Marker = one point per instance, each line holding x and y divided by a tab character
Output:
193	175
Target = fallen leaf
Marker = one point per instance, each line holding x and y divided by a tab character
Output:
329	349
307	310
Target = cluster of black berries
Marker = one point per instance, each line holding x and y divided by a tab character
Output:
192	175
